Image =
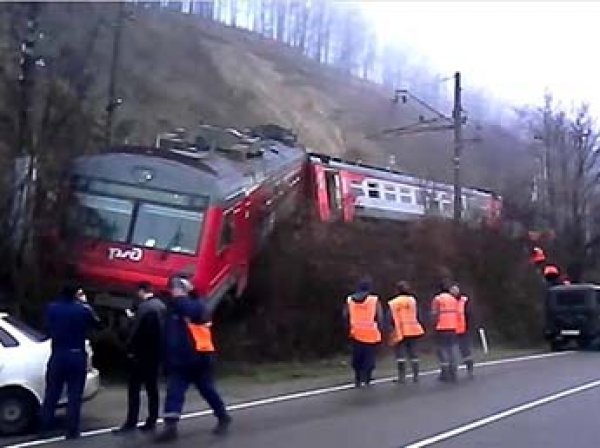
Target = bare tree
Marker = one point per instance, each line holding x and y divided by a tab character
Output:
568	196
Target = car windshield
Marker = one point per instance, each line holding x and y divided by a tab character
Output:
568	299
147	218
30	333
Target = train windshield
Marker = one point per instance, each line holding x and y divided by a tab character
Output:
143	217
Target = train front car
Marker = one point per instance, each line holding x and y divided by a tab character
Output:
145	214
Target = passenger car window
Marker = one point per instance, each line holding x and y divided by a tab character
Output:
6	340
26	330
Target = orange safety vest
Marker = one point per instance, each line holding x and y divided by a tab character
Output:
202	337
363	323
461	318
445	306
404	313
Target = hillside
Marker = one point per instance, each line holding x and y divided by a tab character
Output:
177	70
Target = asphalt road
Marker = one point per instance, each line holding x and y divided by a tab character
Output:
541	402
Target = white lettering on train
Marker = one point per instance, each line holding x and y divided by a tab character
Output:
135	254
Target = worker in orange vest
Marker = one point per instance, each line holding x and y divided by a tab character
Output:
189	358
537	256
463	335
444	312
364	318
406	330
552	275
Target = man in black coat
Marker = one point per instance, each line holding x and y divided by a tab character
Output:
144	350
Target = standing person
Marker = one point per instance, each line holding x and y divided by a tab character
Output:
444	312
189	358
144	352
68	320
463	326
406	330
364	318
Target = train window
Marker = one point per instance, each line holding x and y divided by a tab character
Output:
389	187
167	228
226	237
390	197
406	199
374	194
101	217
372	185
406	191
357	192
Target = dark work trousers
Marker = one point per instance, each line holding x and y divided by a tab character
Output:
363	361
142	373
65	367
407	346
198	372
465	346
446	342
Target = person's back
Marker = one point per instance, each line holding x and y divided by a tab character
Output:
68	319
68	323
146	337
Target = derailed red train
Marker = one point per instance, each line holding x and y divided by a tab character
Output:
204	208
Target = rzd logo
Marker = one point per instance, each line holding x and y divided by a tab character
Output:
135	254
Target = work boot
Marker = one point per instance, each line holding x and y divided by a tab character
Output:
452	377
470	368
148	426
222	426
124	428
415	371
443	374
401	372
168	434
357	380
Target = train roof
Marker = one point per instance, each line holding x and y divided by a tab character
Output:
224	170
390	174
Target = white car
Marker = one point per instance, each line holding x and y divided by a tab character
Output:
24	353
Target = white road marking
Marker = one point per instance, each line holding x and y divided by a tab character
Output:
502	415
289	397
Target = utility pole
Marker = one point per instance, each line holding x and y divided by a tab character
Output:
27	65
458	122
114	102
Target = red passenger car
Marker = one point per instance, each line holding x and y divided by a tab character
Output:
201	208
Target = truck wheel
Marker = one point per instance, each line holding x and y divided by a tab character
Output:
17	411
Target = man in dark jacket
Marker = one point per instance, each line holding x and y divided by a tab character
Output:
364	319
68	320
144	351
186	361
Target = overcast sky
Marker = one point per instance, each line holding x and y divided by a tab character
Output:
514	48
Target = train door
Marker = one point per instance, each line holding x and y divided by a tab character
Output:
321	193
348	197
334	193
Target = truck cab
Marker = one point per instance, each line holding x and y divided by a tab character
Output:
572	315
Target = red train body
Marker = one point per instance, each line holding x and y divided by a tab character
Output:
145	214
204	209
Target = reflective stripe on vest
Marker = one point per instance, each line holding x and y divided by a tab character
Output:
461	318
202	337
404	314
445	306
363	324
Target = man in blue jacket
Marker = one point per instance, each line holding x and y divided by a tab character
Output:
188	359
68	320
